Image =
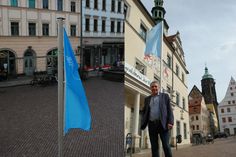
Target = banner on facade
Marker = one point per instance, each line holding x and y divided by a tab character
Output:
136	74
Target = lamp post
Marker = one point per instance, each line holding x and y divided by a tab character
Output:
81	68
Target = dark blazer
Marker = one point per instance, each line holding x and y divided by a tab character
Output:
165	111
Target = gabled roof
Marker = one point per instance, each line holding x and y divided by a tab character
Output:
195	89
228	97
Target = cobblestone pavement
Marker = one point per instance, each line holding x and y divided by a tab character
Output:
225	147
28	122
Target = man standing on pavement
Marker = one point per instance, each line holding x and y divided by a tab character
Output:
158	115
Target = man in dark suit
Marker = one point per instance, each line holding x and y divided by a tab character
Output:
158	115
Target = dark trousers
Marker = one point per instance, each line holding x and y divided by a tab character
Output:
154	129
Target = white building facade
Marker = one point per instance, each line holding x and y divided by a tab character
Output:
138	76
103	32
227	110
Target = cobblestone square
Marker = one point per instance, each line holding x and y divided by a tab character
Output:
28	120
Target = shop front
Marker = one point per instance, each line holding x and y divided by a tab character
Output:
7	64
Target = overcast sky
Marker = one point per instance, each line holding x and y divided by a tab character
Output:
208	34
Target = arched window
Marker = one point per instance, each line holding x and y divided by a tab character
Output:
52	61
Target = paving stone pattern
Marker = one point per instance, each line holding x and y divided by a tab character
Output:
28	122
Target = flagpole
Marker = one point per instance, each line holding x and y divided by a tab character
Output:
162	33
60	87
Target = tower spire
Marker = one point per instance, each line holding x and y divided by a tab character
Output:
158	12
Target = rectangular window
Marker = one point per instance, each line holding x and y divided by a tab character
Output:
14	3
87	24
196	117
87	3
118	27
112	26
169	61
177	70
14	28
229	102
156	78
59	5
193	127
140	67
192	118
32	29
103	4
95	4
119	7
72	6
178	128
228	109
224	120
185	131
103	25
177	99
168	89
123	26
45	29
95	25
31	3
45	4
222	110
197	127
183	103
230	119
183	77
113	5
232	94
143	32
125	10
73	30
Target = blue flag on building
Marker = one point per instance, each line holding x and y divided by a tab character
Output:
154	41
77	113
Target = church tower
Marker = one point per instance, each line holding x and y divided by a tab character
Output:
208	90
158	12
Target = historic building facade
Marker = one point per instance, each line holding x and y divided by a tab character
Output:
139	74
227	110
28	33
209	93
199	115
103	32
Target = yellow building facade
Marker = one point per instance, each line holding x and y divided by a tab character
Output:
139	74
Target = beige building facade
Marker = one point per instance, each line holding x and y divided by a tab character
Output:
28	33
198	113
139	74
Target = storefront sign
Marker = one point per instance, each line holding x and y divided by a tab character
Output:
136	74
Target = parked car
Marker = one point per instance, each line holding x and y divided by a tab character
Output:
221	135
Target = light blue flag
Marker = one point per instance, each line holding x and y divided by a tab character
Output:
154	41
77	113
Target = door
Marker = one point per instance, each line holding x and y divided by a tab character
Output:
29	65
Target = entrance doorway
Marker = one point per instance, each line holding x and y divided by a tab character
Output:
7	64
52	62
29	62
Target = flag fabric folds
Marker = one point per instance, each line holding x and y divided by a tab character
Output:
154	41
77	112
